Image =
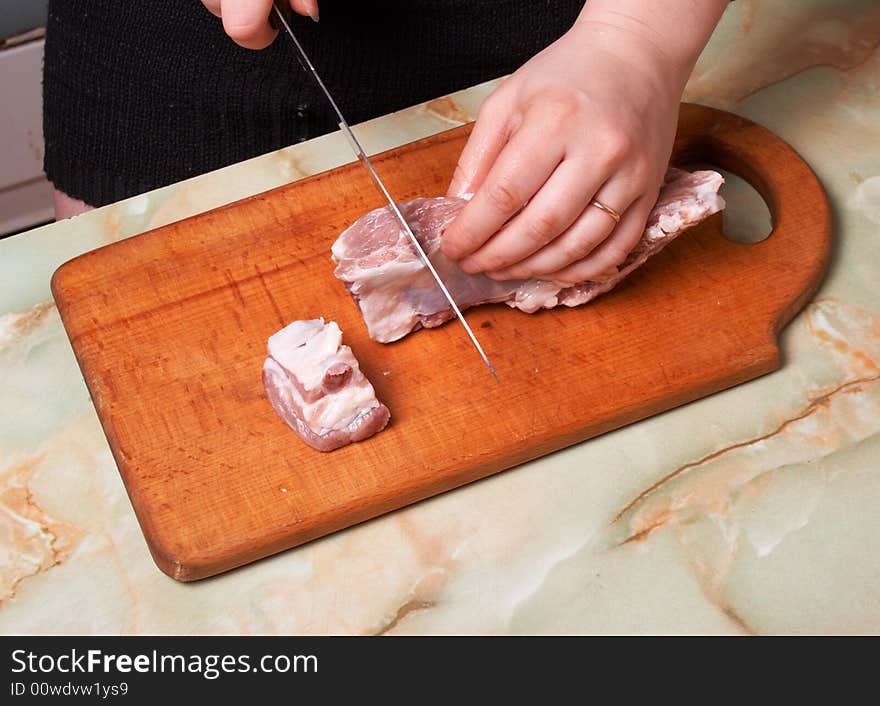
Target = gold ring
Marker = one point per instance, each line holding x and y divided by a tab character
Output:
610	211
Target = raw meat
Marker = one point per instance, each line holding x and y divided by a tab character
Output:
316	386
396	293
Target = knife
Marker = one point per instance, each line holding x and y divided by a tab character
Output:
281	17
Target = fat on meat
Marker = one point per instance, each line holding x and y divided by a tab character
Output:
316	386
396	293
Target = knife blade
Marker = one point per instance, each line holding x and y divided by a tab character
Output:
281	18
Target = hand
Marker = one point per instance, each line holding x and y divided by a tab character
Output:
593	116
247	21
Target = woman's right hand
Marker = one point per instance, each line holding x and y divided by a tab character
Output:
247	21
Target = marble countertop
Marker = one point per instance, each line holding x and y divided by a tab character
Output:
751	511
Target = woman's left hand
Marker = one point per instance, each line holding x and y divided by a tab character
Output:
592	117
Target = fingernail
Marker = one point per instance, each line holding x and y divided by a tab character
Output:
313	13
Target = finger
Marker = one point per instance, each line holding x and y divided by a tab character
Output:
550	212
213	6
307	8
247	22
590	229
488	137
521	169
614	250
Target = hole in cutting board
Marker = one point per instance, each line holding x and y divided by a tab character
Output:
746	218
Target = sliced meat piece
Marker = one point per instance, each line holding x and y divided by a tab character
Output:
316	386
396	293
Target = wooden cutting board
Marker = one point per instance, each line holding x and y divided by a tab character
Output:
170	331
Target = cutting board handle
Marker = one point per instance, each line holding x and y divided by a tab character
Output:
801	215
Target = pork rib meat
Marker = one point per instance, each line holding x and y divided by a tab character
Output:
396	293
316	386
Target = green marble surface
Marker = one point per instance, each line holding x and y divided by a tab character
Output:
752	511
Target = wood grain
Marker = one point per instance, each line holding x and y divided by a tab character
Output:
170	331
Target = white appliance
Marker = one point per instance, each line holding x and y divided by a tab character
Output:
25	194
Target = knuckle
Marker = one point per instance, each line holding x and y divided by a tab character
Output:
616	254
490	106
557	113
576	248
542	227
503	197
617	142
641	172
560	108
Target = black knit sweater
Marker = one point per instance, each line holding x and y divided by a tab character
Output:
139	93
